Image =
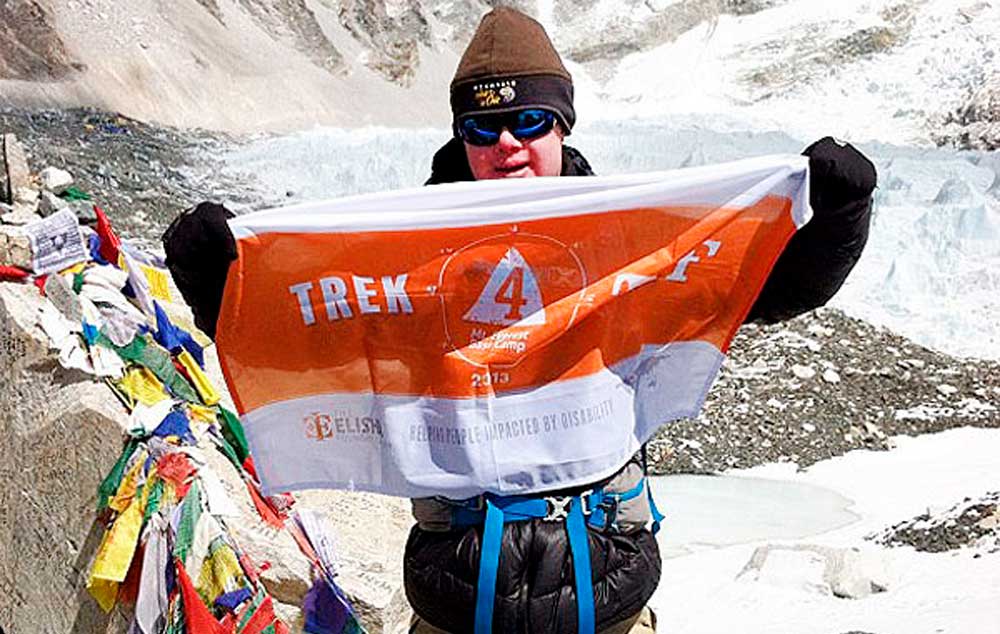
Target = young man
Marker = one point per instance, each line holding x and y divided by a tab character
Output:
512	101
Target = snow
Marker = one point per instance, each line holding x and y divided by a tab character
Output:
804	67
714	526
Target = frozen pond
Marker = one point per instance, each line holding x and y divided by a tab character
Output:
717	511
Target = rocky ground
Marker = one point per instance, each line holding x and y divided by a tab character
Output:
971	523
142	175
819	386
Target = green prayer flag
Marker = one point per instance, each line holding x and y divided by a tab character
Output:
190	512
232	429
153	501
109	486
227	450
252	609
74	193
149	354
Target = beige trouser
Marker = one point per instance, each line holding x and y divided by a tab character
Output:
642	623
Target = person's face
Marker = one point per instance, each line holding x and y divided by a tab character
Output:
513	158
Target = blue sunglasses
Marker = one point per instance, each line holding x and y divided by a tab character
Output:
485	129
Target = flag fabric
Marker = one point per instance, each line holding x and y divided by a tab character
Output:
506	336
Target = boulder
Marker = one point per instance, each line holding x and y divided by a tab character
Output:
61	435
84	210
15	247
21	214
848	573
19	185
50	204
63	431
55	180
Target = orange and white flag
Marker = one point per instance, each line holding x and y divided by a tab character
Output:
507	336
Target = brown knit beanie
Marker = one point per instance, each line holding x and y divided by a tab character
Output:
511	64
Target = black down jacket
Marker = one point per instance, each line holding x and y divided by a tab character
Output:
535	586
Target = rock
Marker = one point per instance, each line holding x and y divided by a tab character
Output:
61	436
19	187
873	431
803	372
15	247
831	376
848	573
55	180
50	204
947	390
774	403
976	125
808	427
84	210
991	521
23	213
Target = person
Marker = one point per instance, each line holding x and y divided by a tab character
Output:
512	106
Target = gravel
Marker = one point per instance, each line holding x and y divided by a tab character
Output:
972	523
140	174
819	386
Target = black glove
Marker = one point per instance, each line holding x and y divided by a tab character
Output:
819	256
199	248
839	175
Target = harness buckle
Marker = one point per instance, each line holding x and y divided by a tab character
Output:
558	508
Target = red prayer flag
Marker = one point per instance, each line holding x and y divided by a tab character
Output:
110	243
197	617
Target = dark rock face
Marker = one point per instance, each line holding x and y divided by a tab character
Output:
976	125
294	22
393	39
30	46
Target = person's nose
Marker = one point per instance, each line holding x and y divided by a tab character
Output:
508	143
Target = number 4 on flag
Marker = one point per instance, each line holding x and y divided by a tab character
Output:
511	295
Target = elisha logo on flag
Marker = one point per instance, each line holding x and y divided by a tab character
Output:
506	336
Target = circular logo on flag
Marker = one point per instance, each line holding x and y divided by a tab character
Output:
503	294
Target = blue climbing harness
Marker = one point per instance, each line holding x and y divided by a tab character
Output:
597	508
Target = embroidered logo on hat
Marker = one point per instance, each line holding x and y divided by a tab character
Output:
495	93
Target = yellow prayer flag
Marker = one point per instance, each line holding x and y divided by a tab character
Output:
202	413
115	554
220	573
207	392
142	385
104	592
158	280
127	488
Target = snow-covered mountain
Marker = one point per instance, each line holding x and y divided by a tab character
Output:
891	70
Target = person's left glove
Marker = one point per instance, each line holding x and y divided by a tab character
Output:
200	247
818	258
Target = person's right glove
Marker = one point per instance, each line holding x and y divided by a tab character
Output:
200	247
838	175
